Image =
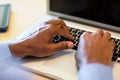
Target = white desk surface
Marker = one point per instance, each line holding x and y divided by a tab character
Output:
23	14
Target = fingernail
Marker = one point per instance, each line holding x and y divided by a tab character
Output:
70	45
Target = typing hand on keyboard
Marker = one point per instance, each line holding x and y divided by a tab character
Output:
78	32
95	48
39	43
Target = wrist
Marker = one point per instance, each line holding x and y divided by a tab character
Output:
99	61
18	50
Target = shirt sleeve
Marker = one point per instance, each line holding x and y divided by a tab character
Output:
6	59
7	69
95	71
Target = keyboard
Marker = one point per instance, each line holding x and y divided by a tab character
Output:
77	33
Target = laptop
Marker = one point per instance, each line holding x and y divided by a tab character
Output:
79	15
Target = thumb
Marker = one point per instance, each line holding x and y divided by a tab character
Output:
62	46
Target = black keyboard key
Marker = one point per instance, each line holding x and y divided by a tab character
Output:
114	58
116	54
77	33
118	61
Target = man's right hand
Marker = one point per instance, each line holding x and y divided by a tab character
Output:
41	45
95	47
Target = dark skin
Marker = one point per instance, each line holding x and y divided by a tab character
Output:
41	44
95	48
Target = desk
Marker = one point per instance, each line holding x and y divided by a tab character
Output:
23	14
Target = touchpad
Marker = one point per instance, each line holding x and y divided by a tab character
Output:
63	62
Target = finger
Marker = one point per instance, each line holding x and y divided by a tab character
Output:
68	36
113	43
85	34
99	32
55	22
65	32
107	35
61	28
62	25
61	46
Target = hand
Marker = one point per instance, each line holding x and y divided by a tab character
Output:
95	48
41	44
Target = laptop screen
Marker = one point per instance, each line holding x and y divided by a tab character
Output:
100	13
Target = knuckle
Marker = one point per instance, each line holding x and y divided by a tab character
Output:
112	43
107	33
100	30
85	34
61	20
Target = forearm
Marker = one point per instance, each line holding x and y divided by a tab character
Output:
95	71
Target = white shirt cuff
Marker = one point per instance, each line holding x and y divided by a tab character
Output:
95	71
6	59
